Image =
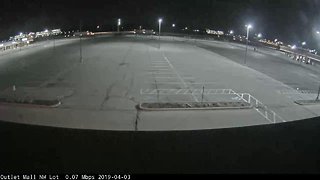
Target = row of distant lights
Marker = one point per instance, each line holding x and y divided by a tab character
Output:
249	26
292	47
303	44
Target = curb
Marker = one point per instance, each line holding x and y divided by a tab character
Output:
307	102
192	109
31	105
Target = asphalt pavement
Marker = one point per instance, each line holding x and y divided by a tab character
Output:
117	73
270	62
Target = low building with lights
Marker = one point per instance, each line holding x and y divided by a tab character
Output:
214	32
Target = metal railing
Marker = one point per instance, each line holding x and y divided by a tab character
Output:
262	109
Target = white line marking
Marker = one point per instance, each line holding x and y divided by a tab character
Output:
163	82
180	83
312	75
184	91
161	69
161	73
159	62
179	91
157	70
172	77
178	75
159	66
157	77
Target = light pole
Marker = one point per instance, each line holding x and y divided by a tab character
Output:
160	21
54	41
173	30
119	24
248	30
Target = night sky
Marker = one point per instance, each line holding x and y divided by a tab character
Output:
288	20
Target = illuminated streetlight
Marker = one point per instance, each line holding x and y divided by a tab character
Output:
159	21
303	43
173	25
259	35
119	24
293	47
249	26
231	32
318	32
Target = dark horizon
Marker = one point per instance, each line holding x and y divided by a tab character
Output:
287	20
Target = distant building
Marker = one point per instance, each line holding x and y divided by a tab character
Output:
144	31
214	32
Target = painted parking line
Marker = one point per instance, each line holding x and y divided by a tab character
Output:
185	78
184	91
297	92
178	75
190	83
161	73
160	66
159	62
158	70
164	83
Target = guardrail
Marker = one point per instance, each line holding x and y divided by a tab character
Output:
262	109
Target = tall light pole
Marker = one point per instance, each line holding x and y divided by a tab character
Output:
119	24
248	30
160	21
173	30
54	41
